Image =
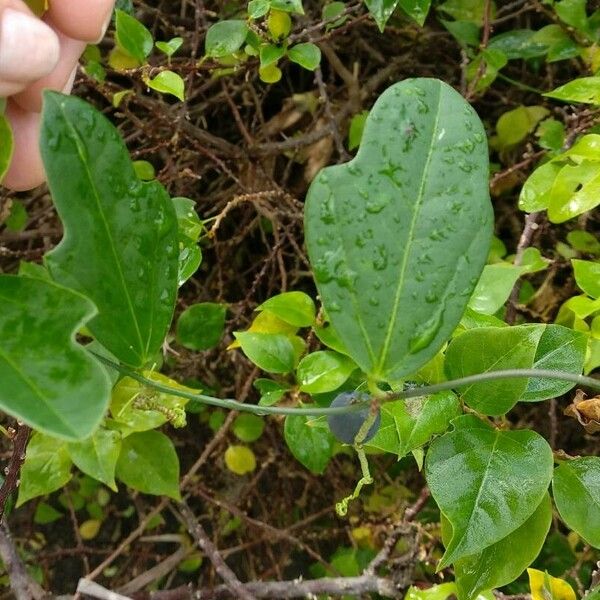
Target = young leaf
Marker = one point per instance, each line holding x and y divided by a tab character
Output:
493	349
381	11
587	276
487	482
97	455
270	54
291	6
247	427
47	467
44	373
409	424
240	460
504	561
310	442
201	326
132	36
148	463
576	488
272	352
225	37
169	48
416	9
167	82
295	308
118	230
585	90
395	296
306	55
323	371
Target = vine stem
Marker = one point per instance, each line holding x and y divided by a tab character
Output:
426	390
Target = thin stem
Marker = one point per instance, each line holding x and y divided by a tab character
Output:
415	392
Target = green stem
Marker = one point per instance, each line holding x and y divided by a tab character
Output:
426	390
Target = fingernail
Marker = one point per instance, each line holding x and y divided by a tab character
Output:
29	49
105	26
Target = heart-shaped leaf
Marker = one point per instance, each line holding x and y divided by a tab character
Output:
487	482
398	237
48	380
120	247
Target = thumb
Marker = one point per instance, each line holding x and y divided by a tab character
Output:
29	49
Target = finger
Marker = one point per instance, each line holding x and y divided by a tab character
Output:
59	80
26	170
29	49
82	19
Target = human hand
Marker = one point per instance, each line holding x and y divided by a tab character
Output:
36	54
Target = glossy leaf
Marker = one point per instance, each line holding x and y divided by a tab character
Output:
44	373
388	233
323	371
6	145
295	308
272	352
494	287
487	482
291	6
47	467
118	231
310	441
585	90
502	562
132	36
148	463
307	55
381	11
493	349
168	82
97	455
587	276
409	424
201	326
416	9
559	349
576	488
225	37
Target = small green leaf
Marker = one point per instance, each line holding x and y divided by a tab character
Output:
201	326
270	74
310	441
291	6
6	145
576	488
355	132
247	427
515	125
381	11
44	372
118	230
148	463
144	170
587	276
551	134
583	241
270	54
585	90
167	82
132	37
17	219
493	349
47	467
270	391
494	287
225	38
416	9
486	482
272	352
323	371
295	308
409	424
97	455
169	48
331	11
44	514
258	8
307	55
240	460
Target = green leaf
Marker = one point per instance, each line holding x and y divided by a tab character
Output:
310	441
357	126
44	514
17	219
272	352
576	488
416	9
486	482
587	276
132	37
381	11
270	391
120	244
240	460
409	424
493	349
389	260
258	8
485	68
518	43
144	170
225	37
504	561
167	82
44	372
559	349
583	241
295	308
572	12
494	287
585	90
47	467
6	145
307	55
515	125
466	10
291	6
201	326
169	48
323	371
148	463
551	134
270	54
97	455
248	427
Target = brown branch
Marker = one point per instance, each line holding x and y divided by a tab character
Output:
12	471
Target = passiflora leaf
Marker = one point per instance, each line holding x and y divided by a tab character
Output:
48	380
576	487
486	482
120	246
504	561
398	237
